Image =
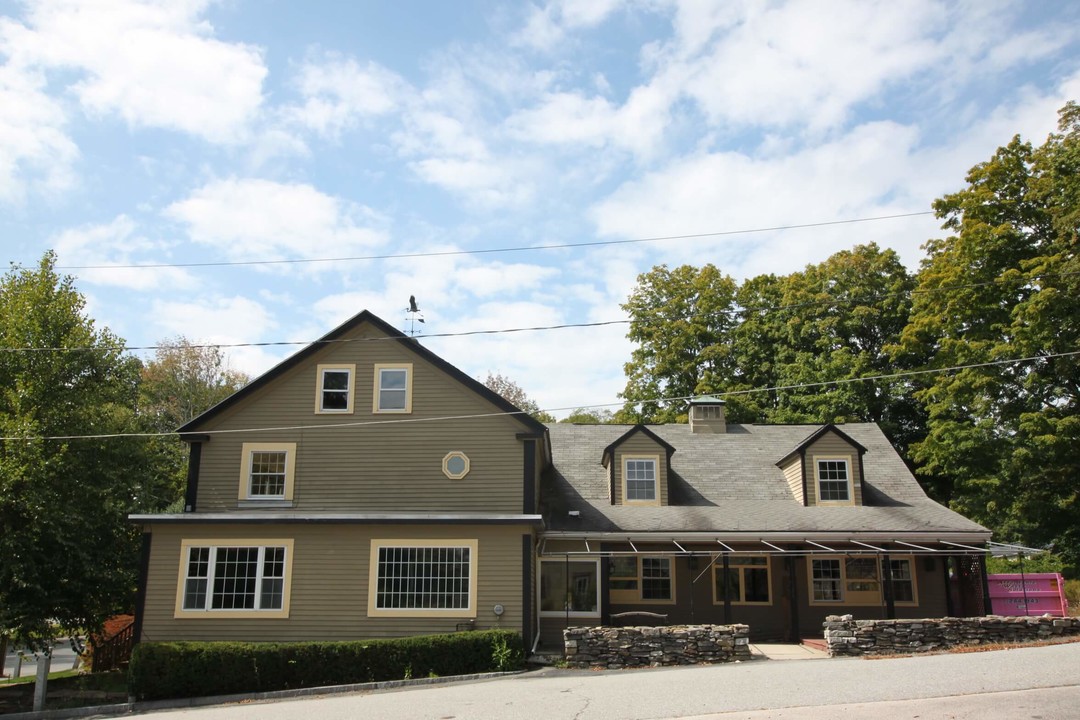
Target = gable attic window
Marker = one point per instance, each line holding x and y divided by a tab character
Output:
393	389
335	390
267	471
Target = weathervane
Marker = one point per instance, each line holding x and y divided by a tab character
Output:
414	316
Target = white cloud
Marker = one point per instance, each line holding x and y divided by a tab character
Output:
34	146
546	26
251	219
154	63
115	244
338	92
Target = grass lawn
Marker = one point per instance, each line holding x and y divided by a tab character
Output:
67	689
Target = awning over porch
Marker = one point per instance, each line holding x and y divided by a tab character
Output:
786	544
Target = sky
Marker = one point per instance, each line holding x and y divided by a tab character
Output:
466	135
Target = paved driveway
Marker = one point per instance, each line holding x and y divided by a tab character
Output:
1020	683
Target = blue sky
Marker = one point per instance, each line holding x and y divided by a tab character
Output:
193	131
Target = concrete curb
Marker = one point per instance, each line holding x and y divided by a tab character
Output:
153	705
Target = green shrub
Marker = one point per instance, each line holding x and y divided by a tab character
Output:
196	669
1072	594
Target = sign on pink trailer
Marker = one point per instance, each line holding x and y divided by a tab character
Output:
1028	594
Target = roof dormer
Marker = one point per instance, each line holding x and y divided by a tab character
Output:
638	464
825	469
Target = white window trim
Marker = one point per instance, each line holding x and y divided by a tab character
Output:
245	471
846	459
656	479
218	543
844	599
319	371
456	454
379	367
564	613
718	567
373	578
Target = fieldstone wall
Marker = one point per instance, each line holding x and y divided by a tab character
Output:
846	636
609	647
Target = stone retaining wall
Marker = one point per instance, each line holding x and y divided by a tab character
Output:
608	647
846	636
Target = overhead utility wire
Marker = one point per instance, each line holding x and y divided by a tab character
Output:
488	251
868	300
362	423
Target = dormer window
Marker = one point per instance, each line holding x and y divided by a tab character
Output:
833	481
640	477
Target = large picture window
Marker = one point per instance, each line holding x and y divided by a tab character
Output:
417	580
746	581
570	588
234	578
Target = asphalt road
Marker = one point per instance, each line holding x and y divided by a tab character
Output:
1041	682
63	658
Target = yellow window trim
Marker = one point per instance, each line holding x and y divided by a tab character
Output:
850	480
718	565
319	388
845	600
572	613
379	367
633	597
373	578
656	471
245	469
286	592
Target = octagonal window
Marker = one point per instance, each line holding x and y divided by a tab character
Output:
455	465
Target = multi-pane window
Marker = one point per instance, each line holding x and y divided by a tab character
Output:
745	581
640	476
334	391
827	580
569	587
235	578
268	473
655	578
423	578
903	583
393	390
833	481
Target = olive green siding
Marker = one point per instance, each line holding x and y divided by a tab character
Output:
329	596
793	474
831	445
395	466
636	445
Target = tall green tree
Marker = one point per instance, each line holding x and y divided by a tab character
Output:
517	395
67	553
181	381
1005	284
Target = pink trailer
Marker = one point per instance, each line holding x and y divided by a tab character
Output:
1028	594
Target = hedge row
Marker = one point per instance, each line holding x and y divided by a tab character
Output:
197	669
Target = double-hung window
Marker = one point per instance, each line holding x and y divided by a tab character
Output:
335	390
827	580
656	578
414	578
639	479
834	481
641	579
266	471
746	580
393	388
232	577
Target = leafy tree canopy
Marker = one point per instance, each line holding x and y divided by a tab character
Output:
513	392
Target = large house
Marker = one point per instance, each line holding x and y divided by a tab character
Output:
365	488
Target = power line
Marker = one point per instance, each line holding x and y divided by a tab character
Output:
868	300
488	251
401	421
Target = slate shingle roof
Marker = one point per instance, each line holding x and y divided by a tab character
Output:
730	483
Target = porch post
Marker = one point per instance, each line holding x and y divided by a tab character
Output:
950	611
887	588
793	595
987	609
727	593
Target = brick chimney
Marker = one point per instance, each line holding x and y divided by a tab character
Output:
707	415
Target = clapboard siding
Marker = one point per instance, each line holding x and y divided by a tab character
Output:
329	597
377	467
641	444
793	475
832	445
